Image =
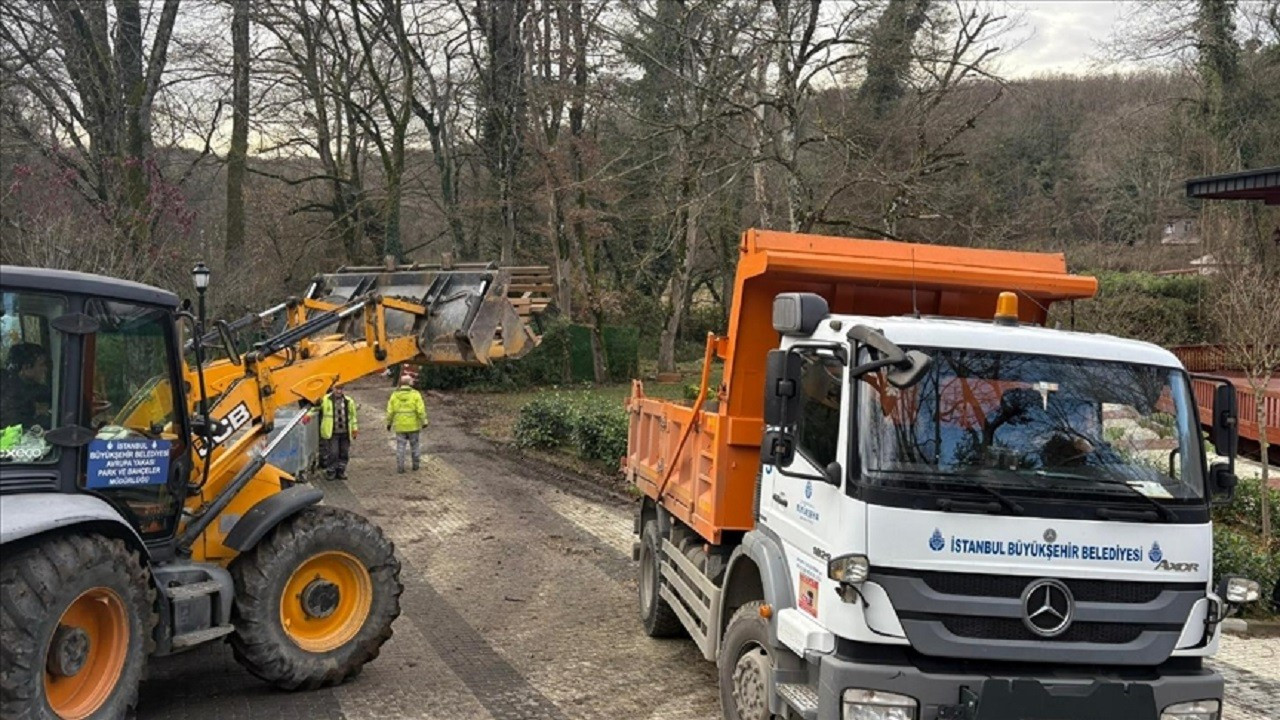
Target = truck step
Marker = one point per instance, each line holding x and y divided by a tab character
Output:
200	637
802	698
193	590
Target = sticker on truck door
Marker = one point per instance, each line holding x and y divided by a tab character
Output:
807	595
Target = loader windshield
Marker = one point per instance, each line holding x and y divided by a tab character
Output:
1051	426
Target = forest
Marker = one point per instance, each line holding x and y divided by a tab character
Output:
625	143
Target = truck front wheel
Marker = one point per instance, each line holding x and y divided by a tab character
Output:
659	619
745	665
75	614
315	599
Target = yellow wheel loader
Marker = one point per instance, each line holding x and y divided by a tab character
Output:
138	513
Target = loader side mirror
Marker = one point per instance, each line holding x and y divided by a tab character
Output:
228	342
782	387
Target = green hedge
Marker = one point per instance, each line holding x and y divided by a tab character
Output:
1163	309
556	422
1238	548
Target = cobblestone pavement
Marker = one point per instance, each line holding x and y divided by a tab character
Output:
519	602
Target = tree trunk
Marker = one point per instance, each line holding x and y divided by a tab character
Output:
680	286
237	155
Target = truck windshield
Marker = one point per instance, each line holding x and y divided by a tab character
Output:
1052	425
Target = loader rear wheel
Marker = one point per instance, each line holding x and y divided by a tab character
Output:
659	619
75	613
315	599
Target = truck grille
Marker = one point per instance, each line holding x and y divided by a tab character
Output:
1116	621
993	628
1011	586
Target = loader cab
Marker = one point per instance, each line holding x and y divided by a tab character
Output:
93	397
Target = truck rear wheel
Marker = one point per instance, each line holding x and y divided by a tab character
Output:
659	619
315	599
75	614
745	665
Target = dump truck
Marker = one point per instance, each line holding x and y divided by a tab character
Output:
139	513
909	499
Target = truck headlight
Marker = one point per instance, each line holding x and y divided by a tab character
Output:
848	569
880	705
1239	591
1198	710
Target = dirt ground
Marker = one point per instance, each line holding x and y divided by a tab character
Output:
519	602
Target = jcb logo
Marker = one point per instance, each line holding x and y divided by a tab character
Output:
1177	567
236	419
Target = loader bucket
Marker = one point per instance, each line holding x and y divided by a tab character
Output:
475	313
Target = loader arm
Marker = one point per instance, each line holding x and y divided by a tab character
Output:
351	324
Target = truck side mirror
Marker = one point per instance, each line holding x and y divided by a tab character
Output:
900	377
1226	426
781	388
832	473
777	449
1222	481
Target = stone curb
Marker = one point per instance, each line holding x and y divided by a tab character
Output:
1251	628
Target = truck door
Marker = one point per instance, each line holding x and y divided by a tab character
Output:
796	502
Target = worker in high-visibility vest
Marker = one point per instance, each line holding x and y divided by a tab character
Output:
406	416
338	427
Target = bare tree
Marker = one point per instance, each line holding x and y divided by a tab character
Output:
502	103
92	78
237	154
1250	330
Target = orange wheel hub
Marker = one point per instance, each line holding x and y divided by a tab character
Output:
326	601
85	657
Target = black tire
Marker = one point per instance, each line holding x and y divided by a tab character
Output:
37	586
660	621
746	636
260	641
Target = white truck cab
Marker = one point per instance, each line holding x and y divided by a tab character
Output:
987	521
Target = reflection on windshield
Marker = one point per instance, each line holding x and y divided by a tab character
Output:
1037	421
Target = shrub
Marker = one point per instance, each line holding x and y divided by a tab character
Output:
1237	547
601	433
1241	553
597	431
545	423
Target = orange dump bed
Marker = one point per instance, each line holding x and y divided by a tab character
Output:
701	462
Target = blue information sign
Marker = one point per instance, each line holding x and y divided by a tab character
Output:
125	463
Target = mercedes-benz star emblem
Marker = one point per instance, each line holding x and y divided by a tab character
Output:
1050	535
1047	608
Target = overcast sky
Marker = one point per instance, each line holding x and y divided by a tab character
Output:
1060	35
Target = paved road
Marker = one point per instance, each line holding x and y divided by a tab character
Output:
519	603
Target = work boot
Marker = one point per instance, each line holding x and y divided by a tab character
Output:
400	470
415	466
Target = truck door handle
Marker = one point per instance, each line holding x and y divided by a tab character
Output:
780	499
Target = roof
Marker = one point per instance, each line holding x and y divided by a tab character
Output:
1032	339
66	281
1260	184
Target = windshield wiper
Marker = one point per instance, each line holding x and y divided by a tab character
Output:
1009	504
949	504
1162	510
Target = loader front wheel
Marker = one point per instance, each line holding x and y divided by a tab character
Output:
315	599
75	614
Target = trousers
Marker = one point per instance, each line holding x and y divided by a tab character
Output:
407	441
334	454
